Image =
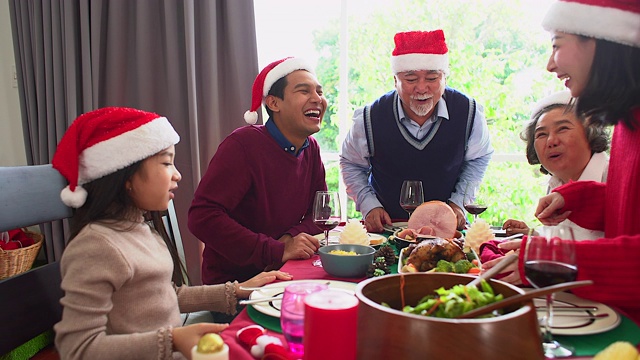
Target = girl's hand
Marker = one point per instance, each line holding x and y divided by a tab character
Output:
261	279
186	337
549	209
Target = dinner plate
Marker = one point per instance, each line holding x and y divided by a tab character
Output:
272	308
334	237
578	322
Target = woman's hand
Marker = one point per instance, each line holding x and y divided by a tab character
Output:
515	227
549	209
186	337
514	275
261	279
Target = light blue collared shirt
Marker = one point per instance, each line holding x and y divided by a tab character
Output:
285	144
355	165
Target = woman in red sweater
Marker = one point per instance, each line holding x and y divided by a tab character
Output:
596	51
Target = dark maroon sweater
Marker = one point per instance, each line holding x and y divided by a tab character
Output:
253	193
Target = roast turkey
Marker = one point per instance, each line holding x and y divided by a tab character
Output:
436	215
425	255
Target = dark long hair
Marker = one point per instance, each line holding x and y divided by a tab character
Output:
614	85
108	202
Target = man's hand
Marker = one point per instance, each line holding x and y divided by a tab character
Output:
515	227
375	219
302	246
548	210
462	219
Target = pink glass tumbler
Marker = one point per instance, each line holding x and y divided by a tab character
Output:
292	313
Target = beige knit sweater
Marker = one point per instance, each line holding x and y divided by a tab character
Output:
119	300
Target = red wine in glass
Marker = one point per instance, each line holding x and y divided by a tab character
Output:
326	225
475	210
546	273
411	195
326	212
550	259
409	208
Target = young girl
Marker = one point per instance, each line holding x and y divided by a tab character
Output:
119	300
596	51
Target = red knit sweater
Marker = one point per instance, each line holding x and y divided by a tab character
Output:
252	193
613	262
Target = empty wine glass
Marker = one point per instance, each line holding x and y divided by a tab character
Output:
472	202
326	212
551	259
411	195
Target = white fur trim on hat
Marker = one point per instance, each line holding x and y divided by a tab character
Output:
558	98
283	69
600	22
414	62
118	152
74	199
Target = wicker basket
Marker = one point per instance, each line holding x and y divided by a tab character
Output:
14	262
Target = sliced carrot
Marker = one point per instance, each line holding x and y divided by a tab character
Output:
474	270
474	262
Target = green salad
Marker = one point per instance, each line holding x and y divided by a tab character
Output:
455	301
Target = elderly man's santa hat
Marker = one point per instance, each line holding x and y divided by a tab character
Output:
614	20
420	50
265	80
104	141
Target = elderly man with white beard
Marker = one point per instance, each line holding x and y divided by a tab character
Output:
422	130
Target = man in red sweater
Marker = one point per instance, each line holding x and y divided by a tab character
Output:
253	207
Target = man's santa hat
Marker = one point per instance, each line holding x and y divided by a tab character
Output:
265	80
614	20
420	50
558	98
104	141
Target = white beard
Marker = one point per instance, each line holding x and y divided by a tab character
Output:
421	110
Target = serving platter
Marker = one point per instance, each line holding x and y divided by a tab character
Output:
577	322
471	254
272	308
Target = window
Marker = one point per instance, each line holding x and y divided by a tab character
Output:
497	51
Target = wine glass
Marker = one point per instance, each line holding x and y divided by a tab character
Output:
326	212
472	203
551	259
411	195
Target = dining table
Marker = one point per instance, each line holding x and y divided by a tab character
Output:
310	269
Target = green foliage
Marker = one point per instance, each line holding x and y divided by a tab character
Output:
494	57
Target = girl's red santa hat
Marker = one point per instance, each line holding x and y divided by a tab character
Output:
613	20
104	141
265	80
420	50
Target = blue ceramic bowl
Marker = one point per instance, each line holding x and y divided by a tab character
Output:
346	265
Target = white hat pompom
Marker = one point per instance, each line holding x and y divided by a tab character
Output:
74	199
251	117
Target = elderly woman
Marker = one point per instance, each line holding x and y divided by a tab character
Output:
567	148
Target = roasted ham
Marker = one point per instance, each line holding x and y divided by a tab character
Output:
437	216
